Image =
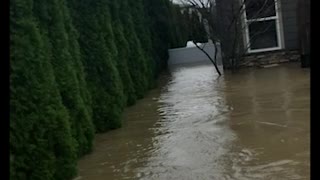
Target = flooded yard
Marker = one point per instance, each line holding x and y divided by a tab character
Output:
251	125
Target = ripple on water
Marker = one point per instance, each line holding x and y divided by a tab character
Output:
247	126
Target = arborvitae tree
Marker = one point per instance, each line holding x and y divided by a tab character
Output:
83	109
174	26
141	25
73	66
136	62
74	50
159	21
53	19
178	28
122	46
185	26
104	17
102	76
198	32
41	145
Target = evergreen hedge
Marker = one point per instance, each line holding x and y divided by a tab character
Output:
75	65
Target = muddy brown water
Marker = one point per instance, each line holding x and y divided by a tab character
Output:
251	125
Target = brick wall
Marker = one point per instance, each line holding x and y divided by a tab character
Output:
266	58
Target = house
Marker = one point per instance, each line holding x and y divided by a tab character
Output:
264	31
304	31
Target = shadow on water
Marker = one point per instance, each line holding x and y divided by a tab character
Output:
253	124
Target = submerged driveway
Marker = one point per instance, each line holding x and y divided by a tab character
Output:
254	124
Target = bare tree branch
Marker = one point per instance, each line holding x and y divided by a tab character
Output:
236	26
213	62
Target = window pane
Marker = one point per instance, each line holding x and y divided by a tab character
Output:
263	34
260	8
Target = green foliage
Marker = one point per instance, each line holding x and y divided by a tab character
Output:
122	57
82	112
62	51
136	59
168	29
98	52
75	65
139	17
41	144
179	27
198	32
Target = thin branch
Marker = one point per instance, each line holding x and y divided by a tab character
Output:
214	63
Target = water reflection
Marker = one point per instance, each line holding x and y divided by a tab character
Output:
270	116
250	125
193	136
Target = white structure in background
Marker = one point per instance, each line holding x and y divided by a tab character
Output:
191	44
191	54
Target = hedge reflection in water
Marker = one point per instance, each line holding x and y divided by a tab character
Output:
254	124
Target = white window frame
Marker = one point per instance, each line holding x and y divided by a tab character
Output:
280	40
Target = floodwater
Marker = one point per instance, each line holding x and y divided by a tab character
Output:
250	125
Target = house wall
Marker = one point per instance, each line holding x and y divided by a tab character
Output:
304	31
304	25
289	21
290	27
289	30
271	57
226	28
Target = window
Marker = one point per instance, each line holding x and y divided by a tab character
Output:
263	34
262	29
